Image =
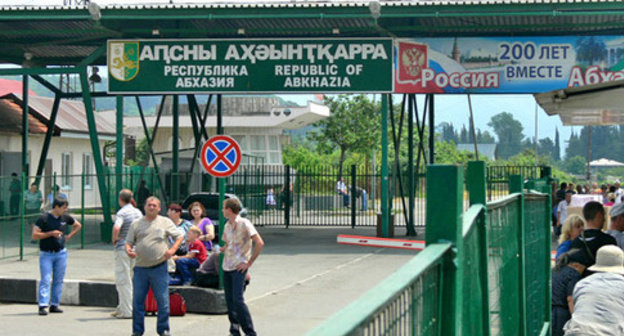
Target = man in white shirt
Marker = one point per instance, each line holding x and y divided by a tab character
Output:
123	263
238	236
562	209
341	188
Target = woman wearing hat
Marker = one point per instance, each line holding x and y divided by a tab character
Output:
599	298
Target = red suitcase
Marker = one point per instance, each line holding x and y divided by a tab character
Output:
150	303
177	305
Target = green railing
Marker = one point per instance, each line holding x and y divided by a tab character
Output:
484	271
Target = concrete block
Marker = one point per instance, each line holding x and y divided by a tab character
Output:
203	300
102	294
71	293
18	290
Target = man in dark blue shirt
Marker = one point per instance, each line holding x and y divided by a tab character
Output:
50	231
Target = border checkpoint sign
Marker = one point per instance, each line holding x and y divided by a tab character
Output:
220	156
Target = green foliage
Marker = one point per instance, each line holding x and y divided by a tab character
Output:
301	156
142	153
447	153
509	133
576	165
353	126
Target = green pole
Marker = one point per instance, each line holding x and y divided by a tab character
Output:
82	211
25	113
47	139
221	194
411	231
431	129
445	191
516	186
22	214
95	148
175	147
475	182
119	147
385	214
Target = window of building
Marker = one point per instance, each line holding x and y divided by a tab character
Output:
258	143
66	170
86	169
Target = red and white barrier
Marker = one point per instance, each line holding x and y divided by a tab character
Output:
381	242
417	245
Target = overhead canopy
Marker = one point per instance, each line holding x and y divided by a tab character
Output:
605	163
63	35
598	104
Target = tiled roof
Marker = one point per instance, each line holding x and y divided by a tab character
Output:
11	119
71	115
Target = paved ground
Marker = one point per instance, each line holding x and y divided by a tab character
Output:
302	278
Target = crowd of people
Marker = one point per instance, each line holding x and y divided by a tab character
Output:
586	282
154	251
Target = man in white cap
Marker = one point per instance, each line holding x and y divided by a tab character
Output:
617	224
599	298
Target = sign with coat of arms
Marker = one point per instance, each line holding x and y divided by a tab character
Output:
123	60
164	66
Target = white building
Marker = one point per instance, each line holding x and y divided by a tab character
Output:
69	154
256	122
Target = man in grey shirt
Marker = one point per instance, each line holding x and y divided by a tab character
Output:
599	299
617	224
123	263
147	242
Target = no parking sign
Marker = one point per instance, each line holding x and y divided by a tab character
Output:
220	156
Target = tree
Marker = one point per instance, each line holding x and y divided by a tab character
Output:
463	135
353	126
576	165
547	147
448	132
142	153
509	133
485	138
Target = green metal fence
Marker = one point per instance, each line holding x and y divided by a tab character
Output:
485	271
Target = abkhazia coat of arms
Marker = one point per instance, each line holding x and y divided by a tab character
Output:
123	60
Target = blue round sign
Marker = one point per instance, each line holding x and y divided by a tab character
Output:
220	156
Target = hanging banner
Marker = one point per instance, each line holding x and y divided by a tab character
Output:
250	66
506	64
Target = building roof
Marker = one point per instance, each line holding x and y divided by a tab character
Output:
595	104
11	119
71	116
279	117
489	150
56	35
10	85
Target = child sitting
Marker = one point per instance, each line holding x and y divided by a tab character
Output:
185	265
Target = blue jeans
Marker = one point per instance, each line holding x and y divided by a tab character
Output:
238	313
184	267
158	278
52	266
